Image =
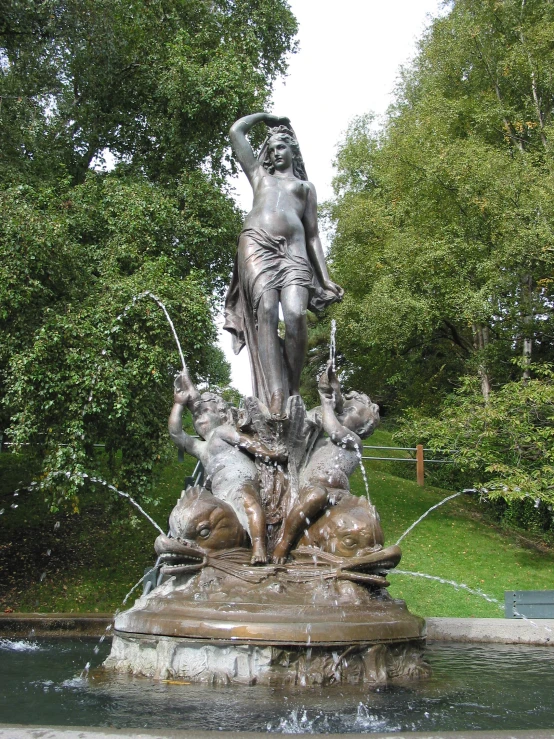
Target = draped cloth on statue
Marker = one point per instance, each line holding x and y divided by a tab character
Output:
265	262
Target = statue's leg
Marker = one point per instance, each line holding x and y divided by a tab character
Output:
256	523
269	348
294	301
313	500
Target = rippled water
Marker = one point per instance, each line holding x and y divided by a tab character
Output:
472	687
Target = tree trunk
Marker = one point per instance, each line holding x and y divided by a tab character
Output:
480	342
527	295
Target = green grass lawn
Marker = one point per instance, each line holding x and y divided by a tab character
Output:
96	556
87	562
454	542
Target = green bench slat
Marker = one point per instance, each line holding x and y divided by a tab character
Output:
529	603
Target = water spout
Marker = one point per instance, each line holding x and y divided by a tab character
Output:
333	344
415	523
364	474
472	591
148	294
85	476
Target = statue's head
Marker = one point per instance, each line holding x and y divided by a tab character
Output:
349	529
359	414
281	150
209	412
201	518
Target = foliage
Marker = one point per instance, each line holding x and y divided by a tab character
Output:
443	216
444	225
153	87
158	83
317	356
80	375
503	446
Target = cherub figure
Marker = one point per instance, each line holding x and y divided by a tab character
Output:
324	480
230	473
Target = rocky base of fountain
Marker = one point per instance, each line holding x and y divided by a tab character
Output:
174	658
288	624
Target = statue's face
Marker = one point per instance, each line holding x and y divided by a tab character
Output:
280	154
358	416
207	417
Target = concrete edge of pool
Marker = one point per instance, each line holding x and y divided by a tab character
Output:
487	630
83	732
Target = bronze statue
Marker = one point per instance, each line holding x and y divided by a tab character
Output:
276	486
231	475
324	479
279	261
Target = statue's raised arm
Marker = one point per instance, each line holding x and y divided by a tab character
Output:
241	146
279	261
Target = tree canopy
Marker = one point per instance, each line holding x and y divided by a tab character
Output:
444	215
152	86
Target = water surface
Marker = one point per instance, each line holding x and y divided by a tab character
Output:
476	687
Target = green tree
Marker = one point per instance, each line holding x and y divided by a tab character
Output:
444	231
154	85
444	215
503	446
157	82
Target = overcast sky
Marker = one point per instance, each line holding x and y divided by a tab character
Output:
347	64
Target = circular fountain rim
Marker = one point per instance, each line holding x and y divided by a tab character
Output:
245	641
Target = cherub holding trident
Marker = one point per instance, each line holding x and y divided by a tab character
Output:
230	472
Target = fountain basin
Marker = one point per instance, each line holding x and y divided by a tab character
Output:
472	688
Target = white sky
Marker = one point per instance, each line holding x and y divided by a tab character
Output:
347	64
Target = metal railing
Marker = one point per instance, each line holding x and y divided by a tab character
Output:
419	458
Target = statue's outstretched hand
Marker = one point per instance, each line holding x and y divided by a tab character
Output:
324	385
329	385
333	379
183	388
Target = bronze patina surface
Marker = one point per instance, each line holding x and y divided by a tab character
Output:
279	261
271	557
302	603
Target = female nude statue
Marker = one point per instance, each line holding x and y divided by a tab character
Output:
279	261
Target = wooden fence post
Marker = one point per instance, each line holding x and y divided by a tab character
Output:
420	465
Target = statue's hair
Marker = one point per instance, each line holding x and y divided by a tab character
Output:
283	133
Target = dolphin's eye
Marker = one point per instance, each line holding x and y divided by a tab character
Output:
204	532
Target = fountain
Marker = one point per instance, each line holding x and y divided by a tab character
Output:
272	573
